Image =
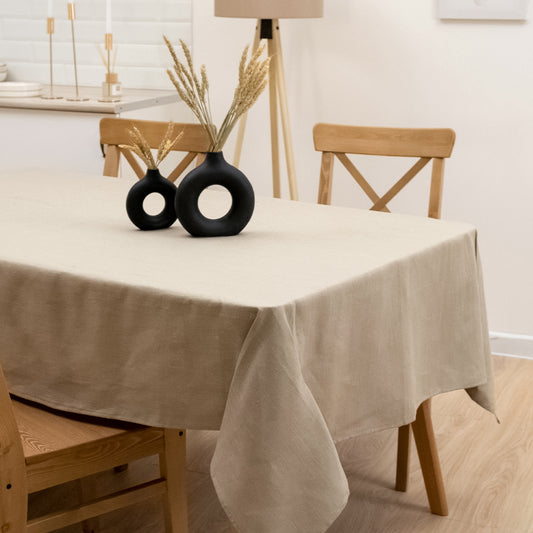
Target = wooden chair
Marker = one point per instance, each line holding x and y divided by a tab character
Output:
426	144
41	448
115	131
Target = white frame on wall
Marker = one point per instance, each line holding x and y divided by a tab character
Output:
483	9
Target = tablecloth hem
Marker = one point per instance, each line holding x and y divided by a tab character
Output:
337	511
68	409
411	418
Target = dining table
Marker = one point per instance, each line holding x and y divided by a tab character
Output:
314	325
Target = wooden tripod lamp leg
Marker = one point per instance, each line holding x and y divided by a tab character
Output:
272	87
242	122
284	109
277	93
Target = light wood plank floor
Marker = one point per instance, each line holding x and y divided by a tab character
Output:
488	470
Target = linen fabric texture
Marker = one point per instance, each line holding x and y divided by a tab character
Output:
314	325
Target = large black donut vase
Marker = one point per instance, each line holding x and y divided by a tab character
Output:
215	170
152	182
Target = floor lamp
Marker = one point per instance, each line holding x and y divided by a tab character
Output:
268	13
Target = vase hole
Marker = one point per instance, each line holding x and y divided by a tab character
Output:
154	204
214	202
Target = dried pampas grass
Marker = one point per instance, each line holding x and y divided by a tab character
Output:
194	90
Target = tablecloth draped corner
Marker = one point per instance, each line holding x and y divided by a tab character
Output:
272	420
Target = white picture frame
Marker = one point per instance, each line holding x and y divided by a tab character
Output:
483	9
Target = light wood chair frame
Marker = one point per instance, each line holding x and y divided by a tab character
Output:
335	141
29	464
115	132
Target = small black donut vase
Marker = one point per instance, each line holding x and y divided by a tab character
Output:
215	170
153	182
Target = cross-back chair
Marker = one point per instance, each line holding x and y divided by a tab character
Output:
115	132
336	141
42	448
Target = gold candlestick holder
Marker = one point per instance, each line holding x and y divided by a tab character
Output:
111	87
72	17
50	31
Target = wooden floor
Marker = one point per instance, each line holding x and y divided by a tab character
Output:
488	470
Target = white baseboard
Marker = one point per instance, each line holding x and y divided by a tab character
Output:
511	345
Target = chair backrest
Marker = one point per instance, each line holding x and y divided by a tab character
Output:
115	131
335	140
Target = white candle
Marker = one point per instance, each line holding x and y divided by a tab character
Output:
108	17
50	9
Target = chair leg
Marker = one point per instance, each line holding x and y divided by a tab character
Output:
13	506
429	459
86	493
91	525
173	468
112	161
13	484
402	458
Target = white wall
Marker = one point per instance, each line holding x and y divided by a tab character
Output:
67	141
393	63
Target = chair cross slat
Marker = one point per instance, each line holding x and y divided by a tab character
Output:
424	143
184	163
359	178
130	158
400	184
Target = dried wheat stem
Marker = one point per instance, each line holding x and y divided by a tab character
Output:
194	90
140	146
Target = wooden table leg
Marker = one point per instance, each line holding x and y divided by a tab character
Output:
244	118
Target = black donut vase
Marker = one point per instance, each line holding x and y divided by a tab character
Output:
153	182
215	170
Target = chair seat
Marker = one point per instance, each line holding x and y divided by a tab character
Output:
44	447
47	432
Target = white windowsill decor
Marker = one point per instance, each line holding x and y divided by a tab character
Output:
138	28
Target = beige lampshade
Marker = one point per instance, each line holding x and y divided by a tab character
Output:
269	9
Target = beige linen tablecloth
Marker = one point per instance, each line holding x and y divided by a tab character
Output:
315	324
